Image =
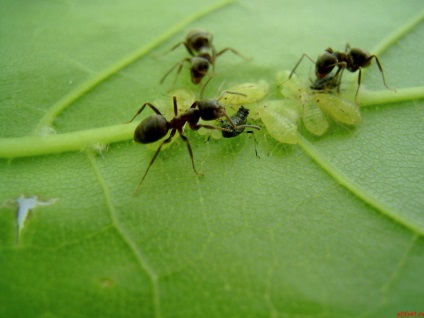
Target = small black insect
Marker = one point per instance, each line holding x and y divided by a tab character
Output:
155	127
326	84
352	59
199	44
239	118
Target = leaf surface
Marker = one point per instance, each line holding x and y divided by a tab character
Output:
330	227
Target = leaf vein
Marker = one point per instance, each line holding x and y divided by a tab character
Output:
355	188
136	250
92	82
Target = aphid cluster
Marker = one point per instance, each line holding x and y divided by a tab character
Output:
316	101
312	103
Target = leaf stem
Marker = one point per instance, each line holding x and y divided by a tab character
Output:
393	38
87	86
368	98
397	34
75	141
355	188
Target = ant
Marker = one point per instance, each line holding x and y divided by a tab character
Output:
155	127
199	44
352	59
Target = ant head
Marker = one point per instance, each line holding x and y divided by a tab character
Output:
325	63
151	129
210	109
360	58
199	68
197	39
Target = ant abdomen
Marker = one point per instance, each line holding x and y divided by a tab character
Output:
151	129
360	58
197	39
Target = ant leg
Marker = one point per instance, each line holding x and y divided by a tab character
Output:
174	98
338	76
359	84
189	150
297	64
154	158
180	64
198	126
234	51
381	71
142	108
177	45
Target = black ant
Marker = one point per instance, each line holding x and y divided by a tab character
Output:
155	127
352	59
199	44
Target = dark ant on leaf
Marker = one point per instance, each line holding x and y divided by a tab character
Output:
199	44
155	127
352	59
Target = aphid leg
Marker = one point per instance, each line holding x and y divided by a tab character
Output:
180	64
189	150
142	108
234	51
154	158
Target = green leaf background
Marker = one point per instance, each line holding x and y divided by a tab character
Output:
331	227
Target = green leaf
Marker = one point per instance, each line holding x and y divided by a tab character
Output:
330	227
